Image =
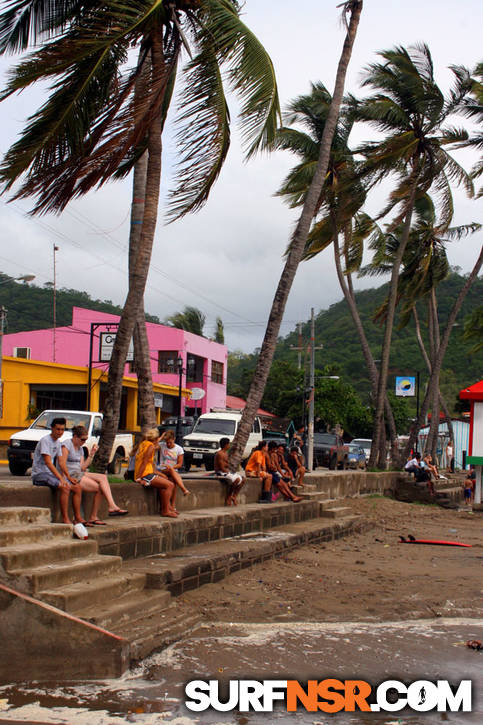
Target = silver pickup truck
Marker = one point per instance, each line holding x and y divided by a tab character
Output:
22	444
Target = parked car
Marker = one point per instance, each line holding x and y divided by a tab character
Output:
202	443
364	443
187	425
22	444
330	451
356	457
274	435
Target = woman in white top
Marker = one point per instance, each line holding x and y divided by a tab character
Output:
170	461
74	466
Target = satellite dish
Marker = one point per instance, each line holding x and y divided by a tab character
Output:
197	393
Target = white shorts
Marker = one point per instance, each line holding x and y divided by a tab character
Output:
232	477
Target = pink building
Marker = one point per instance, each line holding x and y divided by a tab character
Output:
204	361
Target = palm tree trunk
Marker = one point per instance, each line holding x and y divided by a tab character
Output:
138	277
296	248
442	401
415	428
348	292
432	441
376	457
142	357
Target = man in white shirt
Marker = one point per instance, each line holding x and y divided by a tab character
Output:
44	472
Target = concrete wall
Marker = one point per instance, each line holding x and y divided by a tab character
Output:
29	629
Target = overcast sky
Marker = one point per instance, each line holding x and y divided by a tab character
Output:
226	259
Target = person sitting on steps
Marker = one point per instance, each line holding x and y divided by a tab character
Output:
44	472
74	465
296	466
256	468
273	467
171	460
222	469
146	475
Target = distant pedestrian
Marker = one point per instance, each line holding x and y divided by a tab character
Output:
450	457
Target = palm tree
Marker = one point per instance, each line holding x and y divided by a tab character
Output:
219	331
424	266
410	109
352	9
340	201
472	107
95	125
191	320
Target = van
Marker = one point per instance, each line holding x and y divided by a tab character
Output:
202	443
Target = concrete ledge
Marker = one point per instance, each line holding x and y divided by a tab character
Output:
205	492
195	566
136	537
40	642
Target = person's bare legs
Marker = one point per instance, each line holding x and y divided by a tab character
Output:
239	483
174	476
285	491
98	482
166	489
76	492
300	476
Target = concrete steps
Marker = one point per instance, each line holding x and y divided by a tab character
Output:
158	630
20	515
71	571
98	592
125	608
33	533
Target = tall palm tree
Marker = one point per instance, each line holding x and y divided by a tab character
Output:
191	320
424	266
411	111
471	106
340	202
94	126
352	10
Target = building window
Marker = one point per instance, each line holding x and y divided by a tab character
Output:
194	370
216	372
167	361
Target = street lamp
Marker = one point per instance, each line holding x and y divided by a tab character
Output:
3	317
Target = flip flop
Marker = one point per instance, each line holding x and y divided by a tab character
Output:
118	512
97	522
87	524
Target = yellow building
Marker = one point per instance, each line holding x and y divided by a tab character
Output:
31	386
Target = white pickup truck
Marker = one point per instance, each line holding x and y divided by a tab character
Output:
22	444
202	443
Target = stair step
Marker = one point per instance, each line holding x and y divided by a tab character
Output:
328	503
336	512
126	609
93	596
158	630
16	515
25	556
311	495
13	535
67	572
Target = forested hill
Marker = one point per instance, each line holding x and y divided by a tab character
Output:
335	330
30	307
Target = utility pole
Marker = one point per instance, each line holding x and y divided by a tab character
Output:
299	347
3	317
310	432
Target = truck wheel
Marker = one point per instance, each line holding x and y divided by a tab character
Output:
115	465
333	463
187	466
18	469
210	464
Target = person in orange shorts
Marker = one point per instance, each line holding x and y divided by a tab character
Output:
257	468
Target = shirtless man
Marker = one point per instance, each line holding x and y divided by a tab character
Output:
222	469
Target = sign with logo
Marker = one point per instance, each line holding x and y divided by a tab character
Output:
158	400
405	386
106	344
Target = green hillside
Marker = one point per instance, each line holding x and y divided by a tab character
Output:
31	308
342	353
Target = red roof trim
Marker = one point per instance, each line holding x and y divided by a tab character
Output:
474	392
